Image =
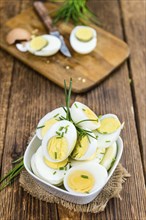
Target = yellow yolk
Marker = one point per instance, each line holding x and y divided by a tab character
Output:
47	125
80	148
38	43
56	165
81	181
90	115
109	125
84	34
57	148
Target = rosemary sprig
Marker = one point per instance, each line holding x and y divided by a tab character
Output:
76	11
86	120
14	172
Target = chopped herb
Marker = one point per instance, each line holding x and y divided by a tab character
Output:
61	168
107	141
83	109
99	116
55	155
41	126
61	128
84	176
56	115
96	136
76	105
54	173
104	132
58	133
87	192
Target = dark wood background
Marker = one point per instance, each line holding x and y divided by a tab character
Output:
26	96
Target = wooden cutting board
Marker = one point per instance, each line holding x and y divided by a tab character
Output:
85	70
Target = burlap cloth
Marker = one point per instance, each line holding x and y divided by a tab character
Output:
111	190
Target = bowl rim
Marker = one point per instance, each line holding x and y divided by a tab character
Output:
111	171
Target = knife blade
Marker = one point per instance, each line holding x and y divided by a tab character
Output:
43	14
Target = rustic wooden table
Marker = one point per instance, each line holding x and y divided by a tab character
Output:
26	96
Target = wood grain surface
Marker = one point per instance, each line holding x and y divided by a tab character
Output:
26	96
109	53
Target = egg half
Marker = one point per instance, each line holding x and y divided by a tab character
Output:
86	178
84	117
43	171
109	130
85	147
44	45
59	141
83	39
48	121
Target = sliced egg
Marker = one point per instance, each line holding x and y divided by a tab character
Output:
59	141
40	169
85	147
109	156
109	130
22	47
83	39
48	121
44	45
86	178
84	117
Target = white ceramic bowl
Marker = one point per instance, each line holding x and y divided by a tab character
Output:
71	197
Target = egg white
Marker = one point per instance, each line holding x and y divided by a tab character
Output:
53	46
82	47
106	140
99	172
23	47
56	113
45	172
77	115
70	135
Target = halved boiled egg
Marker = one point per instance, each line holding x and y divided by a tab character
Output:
83	39
85	147
45	172
85	178
109	130
48	121
84	117
44	45
59	141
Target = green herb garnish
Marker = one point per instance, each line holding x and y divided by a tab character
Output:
42	126
84	176
107	141
56	115
55	155
76	105
54	173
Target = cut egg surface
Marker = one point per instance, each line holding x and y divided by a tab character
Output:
45	172
59	141
85	147
84	117
48	121
44	45
109	130
83	39
86	178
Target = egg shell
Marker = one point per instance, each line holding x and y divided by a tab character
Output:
22	47
92	146
17	34
48	116
77	114
99	172
106	140
45	172
83	47
52	48
71	137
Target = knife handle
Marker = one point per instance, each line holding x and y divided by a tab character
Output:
43	14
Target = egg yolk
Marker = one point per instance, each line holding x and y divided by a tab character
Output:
47	125
109	125
81	181
80	148
56	165
90	115
57	148
84	34
38	43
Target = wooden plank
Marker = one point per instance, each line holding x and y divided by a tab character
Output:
32	96
109	53
134	24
